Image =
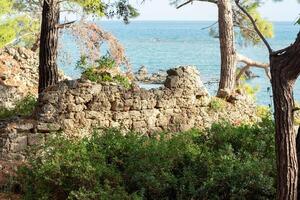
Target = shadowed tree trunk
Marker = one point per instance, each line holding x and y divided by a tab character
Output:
228	54
298	157
48	72
285	69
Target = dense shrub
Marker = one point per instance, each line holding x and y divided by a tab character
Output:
224	162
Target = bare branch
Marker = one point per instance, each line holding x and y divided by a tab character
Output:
209	26
65	25
191	1
251	63
185	3
255	26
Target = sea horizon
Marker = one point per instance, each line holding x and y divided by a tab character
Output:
171	20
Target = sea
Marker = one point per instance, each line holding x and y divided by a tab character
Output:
160	45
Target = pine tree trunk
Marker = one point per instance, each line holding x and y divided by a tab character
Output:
285	69
228	54
285	138
298	158
48	72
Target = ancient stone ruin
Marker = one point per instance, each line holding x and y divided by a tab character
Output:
18	75
76	107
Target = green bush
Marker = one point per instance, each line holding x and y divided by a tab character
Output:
23	107
100	71
217	104
224	162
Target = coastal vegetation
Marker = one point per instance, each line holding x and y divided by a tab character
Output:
104	69
252	159
223	162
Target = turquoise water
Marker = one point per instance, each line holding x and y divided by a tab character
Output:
166	44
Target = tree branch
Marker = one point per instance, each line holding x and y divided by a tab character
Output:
251	63
255	26
185	3
209	26
191	1
65	25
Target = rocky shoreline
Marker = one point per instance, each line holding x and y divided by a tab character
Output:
143	76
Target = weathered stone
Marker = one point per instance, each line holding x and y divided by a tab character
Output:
4	143
137	105
80	106
139	125
115	124
175	72
163	120
48	127
72	107
172	82
18	75
19	144
135	114
68	124
93	114
117	105
36	139
24	126
48	112
121	115
165	103
79	100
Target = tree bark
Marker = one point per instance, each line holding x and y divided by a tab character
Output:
48	72
228	54
285	69
298	157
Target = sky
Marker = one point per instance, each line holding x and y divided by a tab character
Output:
287	10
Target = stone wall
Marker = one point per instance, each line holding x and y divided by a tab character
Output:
18	75
76	107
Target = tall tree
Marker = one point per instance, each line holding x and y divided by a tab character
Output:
48	72
227	48
285	69
228	18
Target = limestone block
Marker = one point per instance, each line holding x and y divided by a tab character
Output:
163	120
165	103
137	104
48	127
72	107
138	125
93	114
117	105
134	114
36	139
96	89
24	126
115	124
120	115
68	124
19	144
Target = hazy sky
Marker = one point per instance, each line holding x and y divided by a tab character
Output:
287	10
